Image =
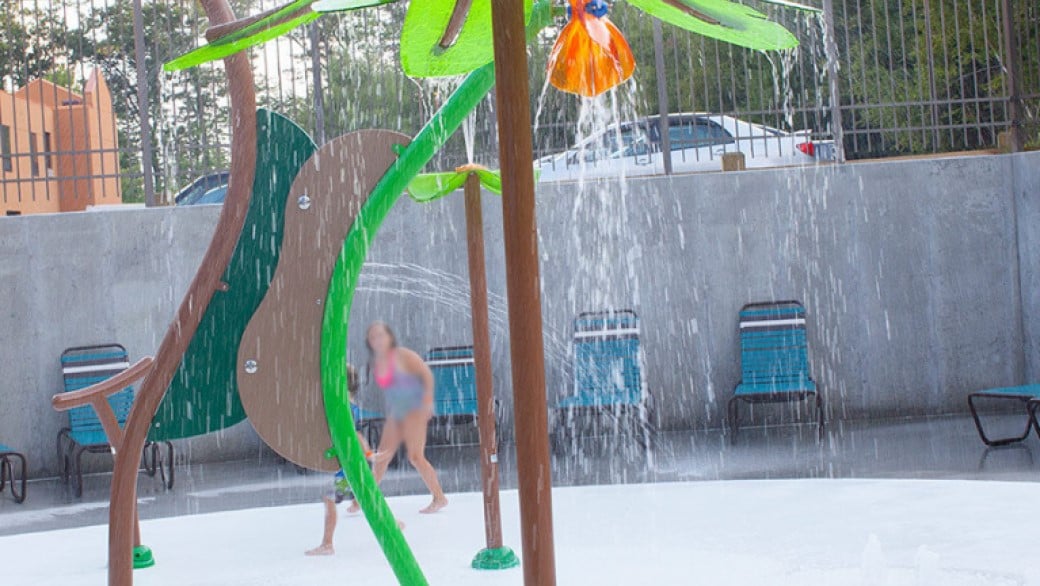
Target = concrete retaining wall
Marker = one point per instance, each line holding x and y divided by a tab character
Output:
910	271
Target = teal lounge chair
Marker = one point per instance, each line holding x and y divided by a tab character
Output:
1028	396
610	391
84	366
774	359
8	458
454	384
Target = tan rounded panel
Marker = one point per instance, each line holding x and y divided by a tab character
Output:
279	358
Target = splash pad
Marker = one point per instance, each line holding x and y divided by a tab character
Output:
731	533
487	41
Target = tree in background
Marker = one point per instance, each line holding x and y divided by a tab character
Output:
31	41
364	86
943	61
187	131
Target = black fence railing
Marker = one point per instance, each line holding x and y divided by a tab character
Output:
85	97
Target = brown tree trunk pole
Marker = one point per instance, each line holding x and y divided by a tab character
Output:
114	434
123	507
478	300
523	284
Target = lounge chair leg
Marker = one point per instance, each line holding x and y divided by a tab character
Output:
19	495
62	461
169	453
999	441
79	472
149	466
5	469
648	428
734	418
1031	407
157	460
819	416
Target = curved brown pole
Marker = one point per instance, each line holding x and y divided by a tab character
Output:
101	390
206	282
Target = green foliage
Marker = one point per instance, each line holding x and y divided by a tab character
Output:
364	86
942	60
31	41
188	111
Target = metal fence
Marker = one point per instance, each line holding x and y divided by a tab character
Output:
877	77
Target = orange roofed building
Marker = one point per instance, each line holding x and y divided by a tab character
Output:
58	149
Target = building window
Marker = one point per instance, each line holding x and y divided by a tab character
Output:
48	160
34	157
13	213
5	147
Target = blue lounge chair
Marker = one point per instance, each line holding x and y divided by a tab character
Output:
774	359
1027	396
454	384
8	457
609	391
84	366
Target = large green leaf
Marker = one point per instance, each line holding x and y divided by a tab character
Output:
424	26
431	186
277	23
723	20
221	47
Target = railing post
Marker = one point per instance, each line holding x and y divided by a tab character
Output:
933	104
1011	72
142	102
830	50
662	98
319	96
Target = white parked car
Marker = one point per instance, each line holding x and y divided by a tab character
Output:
698	142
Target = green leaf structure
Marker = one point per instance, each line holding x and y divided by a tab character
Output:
723	20
430	186
270	26
426	50
220	49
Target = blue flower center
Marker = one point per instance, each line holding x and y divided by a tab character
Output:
597	8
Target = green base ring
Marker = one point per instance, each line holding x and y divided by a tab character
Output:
502	558
143	557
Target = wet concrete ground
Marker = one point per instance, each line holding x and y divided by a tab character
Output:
937	448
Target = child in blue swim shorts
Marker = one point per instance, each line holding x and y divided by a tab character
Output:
340	487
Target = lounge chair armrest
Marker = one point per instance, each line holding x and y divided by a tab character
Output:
66	401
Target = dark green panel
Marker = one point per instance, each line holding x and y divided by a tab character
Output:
203	396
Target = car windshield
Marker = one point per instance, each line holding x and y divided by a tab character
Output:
628	141
215	195
191	194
